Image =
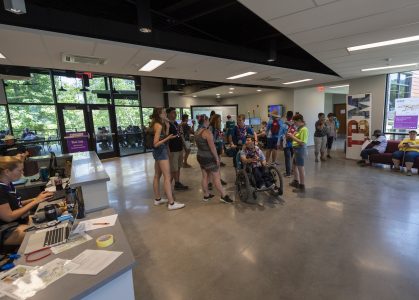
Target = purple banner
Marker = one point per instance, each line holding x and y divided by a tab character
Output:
406	122
77	142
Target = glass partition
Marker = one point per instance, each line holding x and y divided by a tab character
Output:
122	84
147	112
68	89
97	84
4	123
38	89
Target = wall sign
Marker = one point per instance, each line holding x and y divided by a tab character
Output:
358	115
406	113
77	142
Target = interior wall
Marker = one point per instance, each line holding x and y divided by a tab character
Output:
176	100
309	102
259	102
151	92
328	103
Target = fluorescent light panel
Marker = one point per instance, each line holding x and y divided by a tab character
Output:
338	86
2	56
389	67
241	75
385	43
298	81
152	65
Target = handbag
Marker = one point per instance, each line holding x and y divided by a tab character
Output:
53	166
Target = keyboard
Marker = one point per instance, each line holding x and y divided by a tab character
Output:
56	236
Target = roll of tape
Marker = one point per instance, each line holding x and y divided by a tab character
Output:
104	240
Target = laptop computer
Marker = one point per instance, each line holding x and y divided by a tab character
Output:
52	236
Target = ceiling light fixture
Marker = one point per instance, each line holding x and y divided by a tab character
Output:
273	56
241	75
259	90
144	16
338	86
231	92
2	56
231	89
17	7
194	96
298	81
217	94
389	67
384	43
151	65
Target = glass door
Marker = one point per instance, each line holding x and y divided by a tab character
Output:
74	129
103	134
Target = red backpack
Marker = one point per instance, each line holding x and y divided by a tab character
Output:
275	126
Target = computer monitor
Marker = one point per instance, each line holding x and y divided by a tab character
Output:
279	108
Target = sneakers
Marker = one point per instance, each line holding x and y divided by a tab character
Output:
409	173
206	198
226	199
300	189
272	186
160	201
175	205
180	187
223	182
294	183
262	187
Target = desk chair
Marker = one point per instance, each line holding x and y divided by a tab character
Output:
4	230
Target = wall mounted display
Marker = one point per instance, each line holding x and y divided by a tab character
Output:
406	113
358	113
278	108
222	110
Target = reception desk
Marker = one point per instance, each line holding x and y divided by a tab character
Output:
114	282
89	176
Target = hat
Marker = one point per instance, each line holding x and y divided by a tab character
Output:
228	117
8	138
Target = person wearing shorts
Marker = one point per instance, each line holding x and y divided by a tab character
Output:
299	144
272	133
176	148
187	131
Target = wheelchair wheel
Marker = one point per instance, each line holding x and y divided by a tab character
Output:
243	185
277	179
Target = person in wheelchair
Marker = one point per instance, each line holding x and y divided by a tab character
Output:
253	157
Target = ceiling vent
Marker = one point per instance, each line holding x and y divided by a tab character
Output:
76	59
270	78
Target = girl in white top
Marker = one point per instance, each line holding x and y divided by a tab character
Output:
331	132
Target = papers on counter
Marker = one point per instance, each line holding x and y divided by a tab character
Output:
98	223
72	241
92	262
35	279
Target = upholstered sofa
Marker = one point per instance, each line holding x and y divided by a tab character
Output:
385	158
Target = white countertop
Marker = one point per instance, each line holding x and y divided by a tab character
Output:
87	168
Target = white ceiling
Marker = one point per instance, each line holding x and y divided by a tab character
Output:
324	28
224	92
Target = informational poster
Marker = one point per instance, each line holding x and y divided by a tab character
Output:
77	142
407	113
358	116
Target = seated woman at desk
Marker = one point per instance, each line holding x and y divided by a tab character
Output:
12	208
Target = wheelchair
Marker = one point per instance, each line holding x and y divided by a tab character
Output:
246	183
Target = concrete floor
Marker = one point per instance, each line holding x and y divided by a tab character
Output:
353	235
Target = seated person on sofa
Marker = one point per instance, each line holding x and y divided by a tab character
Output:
377	145
408	151
252	155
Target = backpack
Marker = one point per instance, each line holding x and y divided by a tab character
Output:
275	126
149	138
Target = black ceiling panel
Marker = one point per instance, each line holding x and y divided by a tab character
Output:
220	28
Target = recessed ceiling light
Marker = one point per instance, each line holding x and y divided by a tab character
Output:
217	94
194	96
231	92
2	56
389	67
241	75
15	6
151	65
297	81
231	89
385	43
338	86
145	30
259	90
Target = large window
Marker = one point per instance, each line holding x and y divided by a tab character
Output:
68	89
147	112
399	85
35	90
4	122
97	84
121	84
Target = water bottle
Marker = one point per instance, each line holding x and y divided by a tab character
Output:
58	182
